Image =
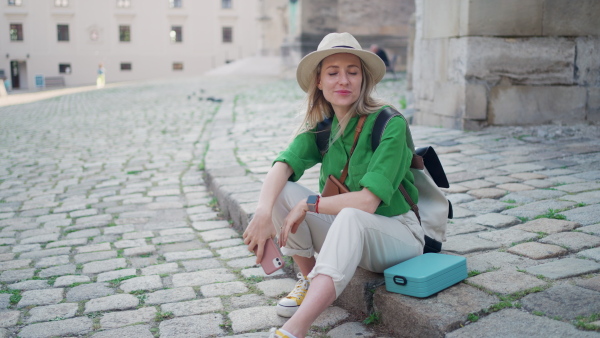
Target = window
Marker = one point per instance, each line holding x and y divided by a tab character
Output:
61	3
177	65
227	34
123	3
176	34
226	4
125	65
16	32
175	3
63	32
15	2
64	68
124	33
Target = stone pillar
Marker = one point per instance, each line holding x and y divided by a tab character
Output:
509	62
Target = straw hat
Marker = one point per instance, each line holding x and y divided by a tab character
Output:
334	43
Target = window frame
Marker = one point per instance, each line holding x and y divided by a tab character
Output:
227	34
122	36
123	3
175	3
59	35
177	66
16	3
61	3
18	35
62	68
178	36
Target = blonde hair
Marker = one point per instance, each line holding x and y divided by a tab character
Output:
318	108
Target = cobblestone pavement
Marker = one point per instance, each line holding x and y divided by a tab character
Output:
107	227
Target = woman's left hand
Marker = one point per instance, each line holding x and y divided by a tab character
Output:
292	221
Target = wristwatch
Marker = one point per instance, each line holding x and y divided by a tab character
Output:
311	202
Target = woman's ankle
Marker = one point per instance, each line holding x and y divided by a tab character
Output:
289	333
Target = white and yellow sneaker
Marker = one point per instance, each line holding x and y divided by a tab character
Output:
286	307
281	333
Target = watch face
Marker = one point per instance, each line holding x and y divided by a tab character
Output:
312	199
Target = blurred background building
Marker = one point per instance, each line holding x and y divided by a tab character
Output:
64	41
382	22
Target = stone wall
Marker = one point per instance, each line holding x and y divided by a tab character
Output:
510	62
382	22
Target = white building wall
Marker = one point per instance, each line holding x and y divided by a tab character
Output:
150	51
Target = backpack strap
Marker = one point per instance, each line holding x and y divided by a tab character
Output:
322	135
379	127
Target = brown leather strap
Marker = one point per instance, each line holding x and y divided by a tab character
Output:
417	162
359	127
412	204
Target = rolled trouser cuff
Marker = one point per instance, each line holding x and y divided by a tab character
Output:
338	278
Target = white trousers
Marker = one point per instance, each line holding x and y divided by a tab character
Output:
350	239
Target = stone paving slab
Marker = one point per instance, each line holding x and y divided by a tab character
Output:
116	302
591	254
74	326
496	220
585	215
564	301
41	297
522	324
463	244
88	291
494	260
574	241
202	277
193	307
255	318
113	320
192	326
507	237
30	285
564	268
536	250
50	312
9	318
534	209
170	295
547	225
350	330
137	331
506	281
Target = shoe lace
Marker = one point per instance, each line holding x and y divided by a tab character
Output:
301	287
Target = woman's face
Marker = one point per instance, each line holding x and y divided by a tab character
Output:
340	80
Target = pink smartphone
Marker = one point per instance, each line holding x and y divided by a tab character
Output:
271	260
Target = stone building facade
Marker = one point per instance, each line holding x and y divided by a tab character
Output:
134	39
509	62
381	22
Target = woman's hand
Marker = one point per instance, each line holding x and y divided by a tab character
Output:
261	226
259	230
292	221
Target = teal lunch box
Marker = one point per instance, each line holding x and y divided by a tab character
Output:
425	275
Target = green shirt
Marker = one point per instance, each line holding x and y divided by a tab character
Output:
381	171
